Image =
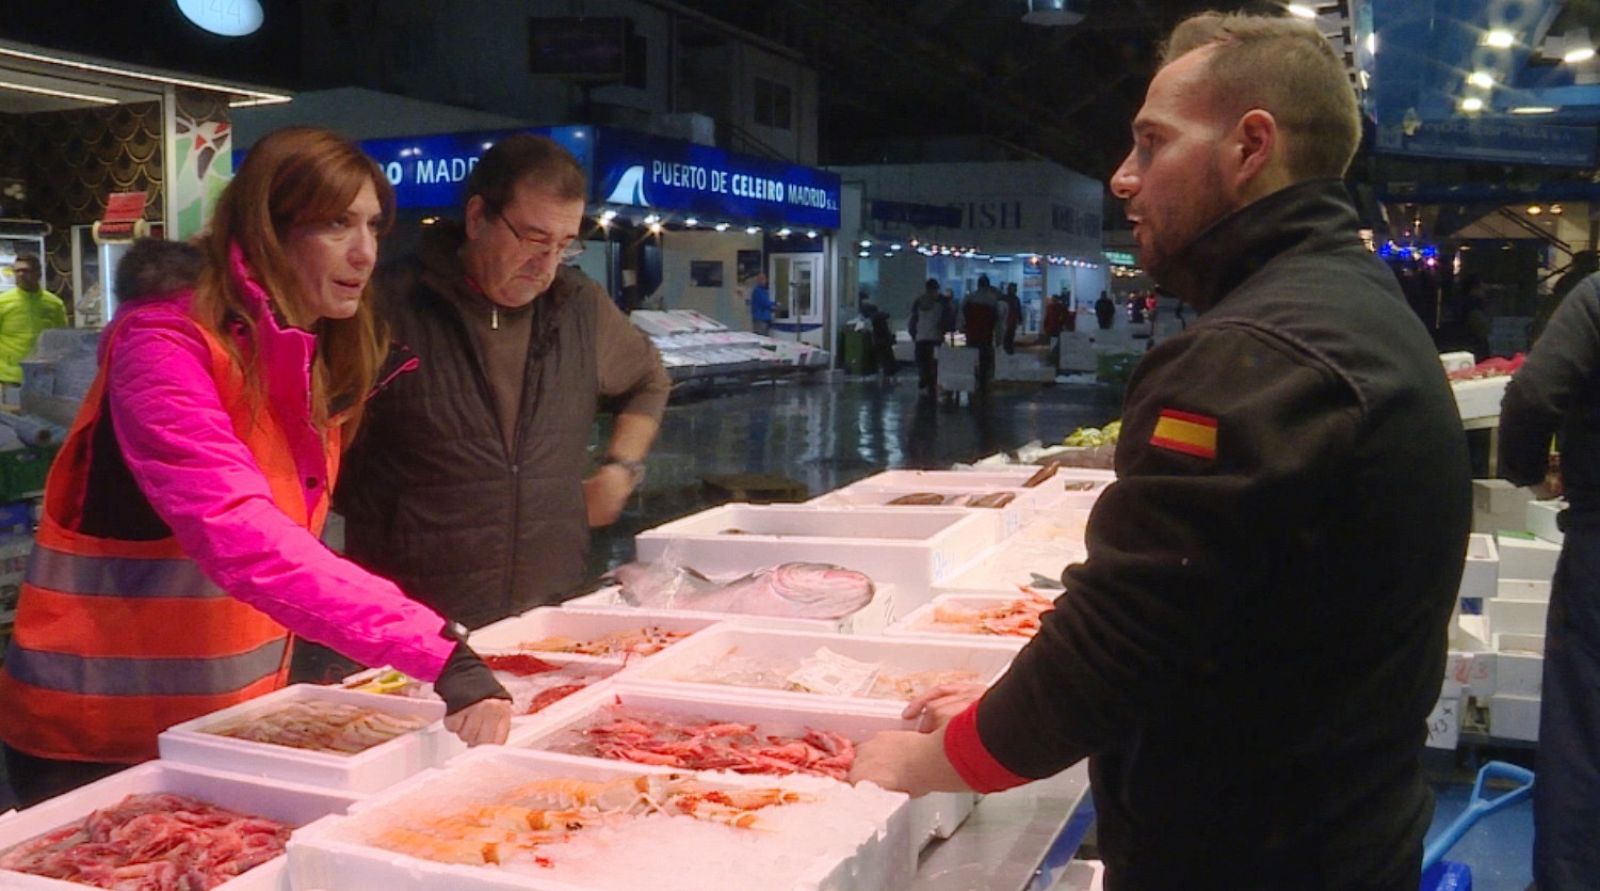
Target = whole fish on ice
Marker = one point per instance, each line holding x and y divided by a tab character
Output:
788	590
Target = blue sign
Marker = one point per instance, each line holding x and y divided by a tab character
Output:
1474	139
429	172
647	171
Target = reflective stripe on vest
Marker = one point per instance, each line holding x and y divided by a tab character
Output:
116	640
103	676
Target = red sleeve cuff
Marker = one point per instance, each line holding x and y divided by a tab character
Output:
967	754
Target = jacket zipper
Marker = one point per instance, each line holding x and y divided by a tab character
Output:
523	419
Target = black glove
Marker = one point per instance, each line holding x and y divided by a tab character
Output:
466	680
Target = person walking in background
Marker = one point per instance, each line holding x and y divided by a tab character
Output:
26	311
177	549
932	317
1554	391
980	317
761	306
1012	318
1054	323
1105	312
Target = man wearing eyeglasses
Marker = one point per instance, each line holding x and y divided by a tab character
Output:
471	483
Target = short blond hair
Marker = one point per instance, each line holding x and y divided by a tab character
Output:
1286	68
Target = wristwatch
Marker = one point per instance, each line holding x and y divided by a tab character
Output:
635	469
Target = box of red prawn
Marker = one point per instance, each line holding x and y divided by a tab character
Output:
291	804
323	736
992	617
499	819
699	732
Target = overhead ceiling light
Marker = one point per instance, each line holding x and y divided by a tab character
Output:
1481	79
250	96
652	219
1301	10
865	243
751	230
865	254
1534	109
62	94
896	246
1534	210
607	216
1581	54
691	222
1055	12
1472	104
721	227
1555	209
811	233
655	228
1500	38
1364	78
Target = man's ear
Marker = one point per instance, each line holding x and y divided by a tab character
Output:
1256	147
475	216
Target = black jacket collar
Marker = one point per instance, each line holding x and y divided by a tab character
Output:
1311	215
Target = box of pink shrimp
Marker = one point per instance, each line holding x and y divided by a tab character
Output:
501	819
323	736
989	616
744	734
40	839
563	634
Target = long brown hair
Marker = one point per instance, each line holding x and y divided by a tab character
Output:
292	177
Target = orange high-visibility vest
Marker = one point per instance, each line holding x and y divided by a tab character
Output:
117	640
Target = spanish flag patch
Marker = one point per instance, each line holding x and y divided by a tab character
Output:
1185	432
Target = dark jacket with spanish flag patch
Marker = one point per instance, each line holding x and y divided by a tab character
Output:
1251	649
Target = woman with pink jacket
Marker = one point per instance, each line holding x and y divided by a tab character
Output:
178	551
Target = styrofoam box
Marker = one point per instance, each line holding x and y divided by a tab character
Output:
1532	644
920	623
1479	398
1519	674
581	625
1517	616
1003	521
988	478
288	803
870	619
1471	633
327	857
1541	519
1017	561
1444	722
1526	558
1523	589
913	550
1514	717
1471	671
932	816
1482	571
898	654
1497	496
1457	361
376	768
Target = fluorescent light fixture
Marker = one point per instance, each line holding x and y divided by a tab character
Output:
1481	79
61	94
250	96
866	253
1500	38
655	228
1555	209
1301	10
1472	104
1581	54
1534	109
896	246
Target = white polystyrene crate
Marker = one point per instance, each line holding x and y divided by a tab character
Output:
1479	398
581	625
1001	521
290	803
1482	570
1526	558
376	768
1472	671
1034	556
913	550
1541	519
1523	589
1518	674
1514	717
875	851
1053	488
1517	616
870	619
1529	644
1457	361
920	623
1500	497
987	660
937	815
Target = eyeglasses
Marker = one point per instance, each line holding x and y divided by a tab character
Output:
541	248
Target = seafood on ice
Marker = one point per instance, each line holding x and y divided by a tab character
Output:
533	683
824	672
151	842
319	726
691	743
931	499
788	590
1013	618
530	822
646	641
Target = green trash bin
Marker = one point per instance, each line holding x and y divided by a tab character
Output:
857	351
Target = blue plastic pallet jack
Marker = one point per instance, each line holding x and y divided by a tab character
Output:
1439	874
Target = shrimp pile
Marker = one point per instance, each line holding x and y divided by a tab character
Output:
1014	618
320	726
546	812
739	670
699	744
645	641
